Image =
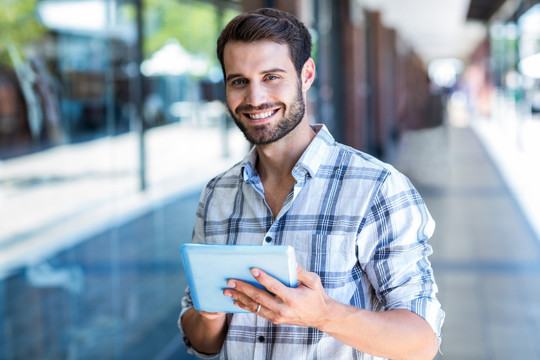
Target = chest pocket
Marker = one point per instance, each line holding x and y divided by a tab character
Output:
332	257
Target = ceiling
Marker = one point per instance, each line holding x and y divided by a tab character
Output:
483	9
438	28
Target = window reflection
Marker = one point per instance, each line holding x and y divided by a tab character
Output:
89	264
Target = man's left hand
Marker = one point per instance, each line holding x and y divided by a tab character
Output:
305	305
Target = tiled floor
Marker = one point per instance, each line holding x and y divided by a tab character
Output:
486	257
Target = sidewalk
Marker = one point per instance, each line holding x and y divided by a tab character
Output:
514	147
486	254
52	200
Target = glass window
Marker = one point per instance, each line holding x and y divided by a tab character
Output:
90	113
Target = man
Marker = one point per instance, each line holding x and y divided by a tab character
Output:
359	228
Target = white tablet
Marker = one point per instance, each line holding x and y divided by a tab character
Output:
209	267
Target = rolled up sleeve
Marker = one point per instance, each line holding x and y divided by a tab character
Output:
397	229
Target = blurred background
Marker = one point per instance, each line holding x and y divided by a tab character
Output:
112	119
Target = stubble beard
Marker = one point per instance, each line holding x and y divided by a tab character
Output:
266	134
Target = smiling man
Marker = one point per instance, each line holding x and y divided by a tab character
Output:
359	229
257	93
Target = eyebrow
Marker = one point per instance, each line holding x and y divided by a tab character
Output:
274	70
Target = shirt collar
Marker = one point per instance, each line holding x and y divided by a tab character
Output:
248	165
318	150
310	161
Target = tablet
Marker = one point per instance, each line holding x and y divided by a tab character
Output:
209	267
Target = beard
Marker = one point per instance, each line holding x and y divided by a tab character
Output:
265	134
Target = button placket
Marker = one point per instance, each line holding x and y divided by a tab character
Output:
260	338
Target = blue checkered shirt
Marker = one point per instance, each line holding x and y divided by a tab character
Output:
355	221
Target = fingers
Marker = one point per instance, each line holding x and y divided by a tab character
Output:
250	297
273	285
247	296
283	305
307	278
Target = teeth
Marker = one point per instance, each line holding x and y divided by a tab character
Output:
261	115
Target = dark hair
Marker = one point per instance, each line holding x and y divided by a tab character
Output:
268	24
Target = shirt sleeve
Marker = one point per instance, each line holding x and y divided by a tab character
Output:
396	231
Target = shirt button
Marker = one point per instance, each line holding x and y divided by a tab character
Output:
261	338
268	239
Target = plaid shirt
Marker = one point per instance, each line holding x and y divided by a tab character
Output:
355	221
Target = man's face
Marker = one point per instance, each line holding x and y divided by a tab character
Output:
264	92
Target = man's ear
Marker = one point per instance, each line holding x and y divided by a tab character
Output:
308	74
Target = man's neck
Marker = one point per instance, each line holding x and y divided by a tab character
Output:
276	160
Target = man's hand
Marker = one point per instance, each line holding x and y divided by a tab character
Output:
306	305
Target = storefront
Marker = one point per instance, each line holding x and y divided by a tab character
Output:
108	111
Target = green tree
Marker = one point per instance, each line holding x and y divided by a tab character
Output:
193	23
18	26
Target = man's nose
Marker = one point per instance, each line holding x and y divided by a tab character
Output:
256	94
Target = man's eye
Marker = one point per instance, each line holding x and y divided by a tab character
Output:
238	82
272	77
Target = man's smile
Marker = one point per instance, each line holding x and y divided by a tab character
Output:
261	115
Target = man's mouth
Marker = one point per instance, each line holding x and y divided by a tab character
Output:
263	115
